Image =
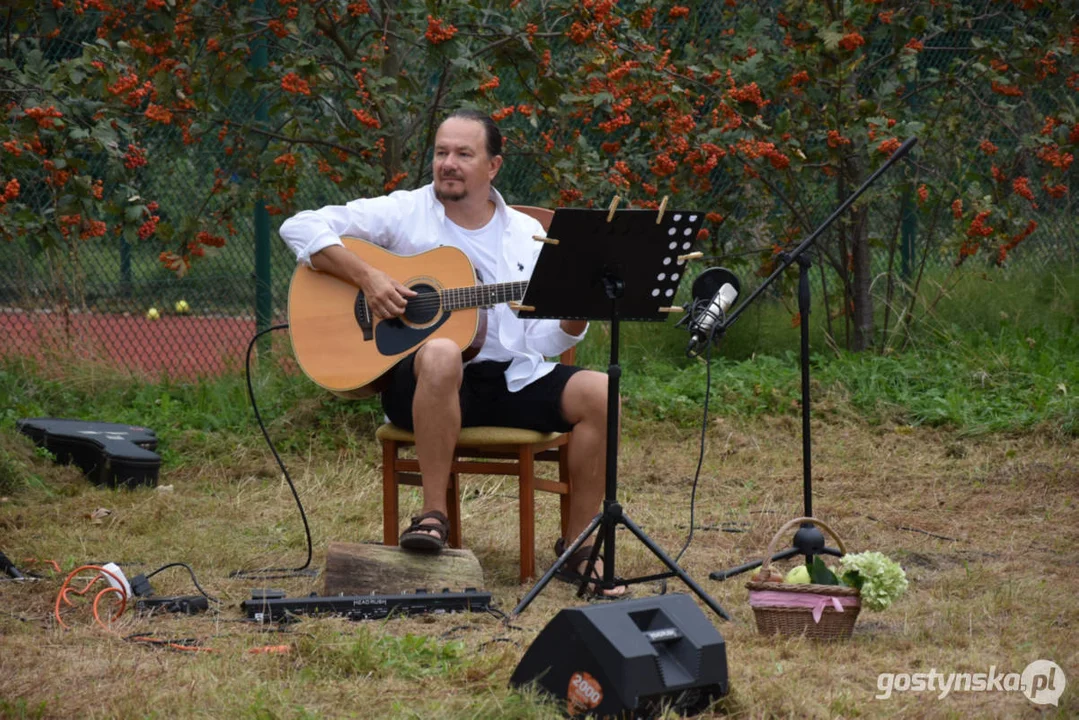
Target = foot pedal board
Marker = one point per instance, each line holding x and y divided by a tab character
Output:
108	453
272	605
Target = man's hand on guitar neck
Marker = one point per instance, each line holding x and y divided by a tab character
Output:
385	296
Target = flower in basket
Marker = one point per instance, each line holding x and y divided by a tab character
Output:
880	579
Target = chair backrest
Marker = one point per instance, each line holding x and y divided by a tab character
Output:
544	215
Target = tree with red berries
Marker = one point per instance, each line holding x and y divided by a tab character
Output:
765	116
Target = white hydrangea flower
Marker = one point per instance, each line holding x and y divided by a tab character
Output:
883	580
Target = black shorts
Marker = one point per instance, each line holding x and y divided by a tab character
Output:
485	400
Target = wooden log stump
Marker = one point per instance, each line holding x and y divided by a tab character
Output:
362	569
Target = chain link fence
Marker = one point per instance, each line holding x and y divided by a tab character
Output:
113	301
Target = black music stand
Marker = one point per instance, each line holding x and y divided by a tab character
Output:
611	265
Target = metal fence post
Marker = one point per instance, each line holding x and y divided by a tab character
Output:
125	267
263	291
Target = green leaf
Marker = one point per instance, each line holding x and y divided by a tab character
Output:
104	134
134	212
819	573
165	231
601	98
853	578
236	76
831	38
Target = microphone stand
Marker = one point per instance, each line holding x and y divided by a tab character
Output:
808	540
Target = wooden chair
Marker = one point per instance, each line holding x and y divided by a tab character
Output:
483	451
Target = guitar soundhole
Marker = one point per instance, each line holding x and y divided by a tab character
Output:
425	307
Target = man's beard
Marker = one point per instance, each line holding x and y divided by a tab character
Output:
445	196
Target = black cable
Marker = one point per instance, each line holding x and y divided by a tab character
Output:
190	572
264	573
455	629
704	429
484	645
8	568
504	618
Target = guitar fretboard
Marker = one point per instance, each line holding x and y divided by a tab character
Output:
482	295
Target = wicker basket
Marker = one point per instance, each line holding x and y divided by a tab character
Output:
836	607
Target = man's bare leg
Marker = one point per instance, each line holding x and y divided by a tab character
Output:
436	418
584	403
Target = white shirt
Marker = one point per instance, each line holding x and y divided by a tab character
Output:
483	246
407	222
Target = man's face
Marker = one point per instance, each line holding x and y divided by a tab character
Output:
462	166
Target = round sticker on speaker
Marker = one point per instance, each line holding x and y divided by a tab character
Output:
583	694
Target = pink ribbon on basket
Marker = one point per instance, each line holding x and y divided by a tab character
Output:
771	598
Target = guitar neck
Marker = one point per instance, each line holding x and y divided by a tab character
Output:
482	295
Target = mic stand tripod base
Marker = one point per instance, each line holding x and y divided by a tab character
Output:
605	522
808	541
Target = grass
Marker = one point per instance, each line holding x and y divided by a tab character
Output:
982	525
975	367
958	458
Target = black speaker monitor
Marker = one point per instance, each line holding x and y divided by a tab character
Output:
629	659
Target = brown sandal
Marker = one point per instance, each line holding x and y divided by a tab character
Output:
570	573
417	536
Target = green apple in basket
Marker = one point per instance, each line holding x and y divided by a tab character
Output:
797	575
816	573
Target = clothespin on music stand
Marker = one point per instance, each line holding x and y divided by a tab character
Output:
662	209
612	208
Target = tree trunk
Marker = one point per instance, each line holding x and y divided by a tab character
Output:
392	127
861	298
361	569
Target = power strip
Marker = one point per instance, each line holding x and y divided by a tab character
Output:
185	604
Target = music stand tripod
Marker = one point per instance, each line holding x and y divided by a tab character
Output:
608	265
808	540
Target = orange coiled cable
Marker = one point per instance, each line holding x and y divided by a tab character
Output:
65	589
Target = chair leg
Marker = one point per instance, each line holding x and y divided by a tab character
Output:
453	508
564	499
527	508
389	492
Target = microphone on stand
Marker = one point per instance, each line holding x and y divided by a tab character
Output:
714	291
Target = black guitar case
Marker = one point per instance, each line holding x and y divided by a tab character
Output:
108	453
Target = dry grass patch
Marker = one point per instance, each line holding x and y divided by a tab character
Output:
986	528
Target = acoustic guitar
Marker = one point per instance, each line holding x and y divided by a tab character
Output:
342	347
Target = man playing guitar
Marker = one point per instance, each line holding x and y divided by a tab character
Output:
433	392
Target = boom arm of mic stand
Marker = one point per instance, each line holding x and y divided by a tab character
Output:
793	255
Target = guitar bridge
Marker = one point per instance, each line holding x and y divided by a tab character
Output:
363	316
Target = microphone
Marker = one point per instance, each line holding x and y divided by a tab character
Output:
718	287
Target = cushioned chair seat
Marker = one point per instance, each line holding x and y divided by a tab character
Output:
475	436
